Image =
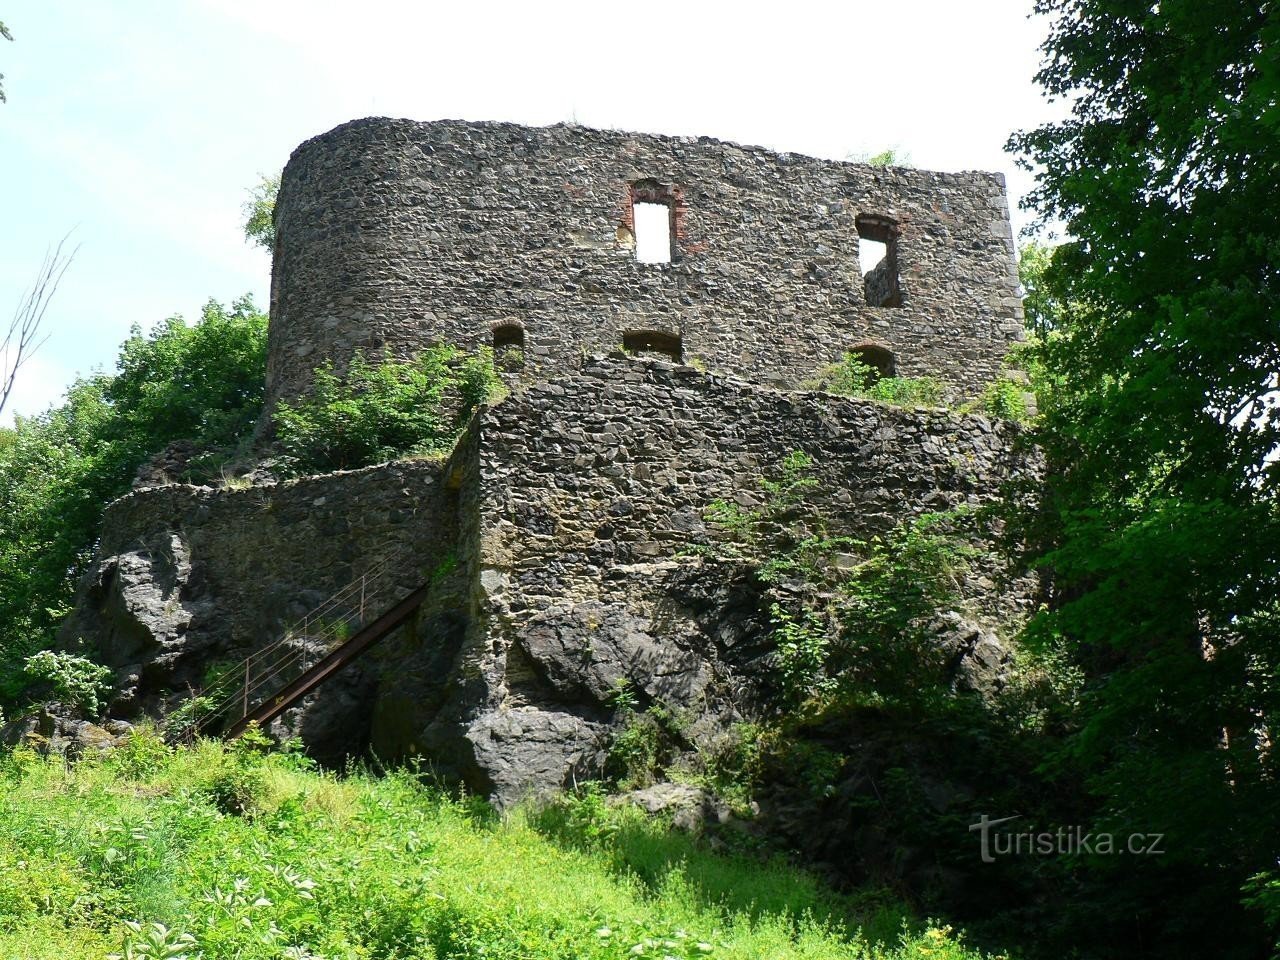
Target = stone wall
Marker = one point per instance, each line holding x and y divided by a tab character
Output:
560	542
394	234
586	498
187	576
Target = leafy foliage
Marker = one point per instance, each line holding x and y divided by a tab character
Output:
58	470
1005	397
888	645
1163	536
803	643
645	744
852	377
72	679
384	410
1042	293
259	212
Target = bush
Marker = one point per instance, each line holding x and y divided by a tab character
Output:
381	411
76	680
886	647
646	744
1006	398
851	377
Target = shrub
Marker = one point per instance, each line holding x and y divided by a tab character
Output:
803	645
76	680
1005	397
510	359
385	410
886	646
851	377
647	742
143	755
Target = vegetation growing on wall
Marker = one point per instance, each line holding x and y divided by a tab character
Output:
866	631
852	377
381	411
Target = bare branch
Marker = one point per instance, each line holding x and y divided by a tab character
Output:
24	337
4	32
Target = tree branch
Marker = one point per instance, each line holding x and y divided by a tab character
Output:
23	337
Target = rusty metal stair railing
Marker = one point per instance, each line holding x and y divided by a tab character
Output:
271	679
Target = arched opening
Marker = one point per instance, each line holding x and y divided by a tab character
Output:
878	256
508	347
651	341
880	359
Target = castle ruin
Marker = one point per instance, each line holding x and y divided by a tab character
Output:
556	538
392	235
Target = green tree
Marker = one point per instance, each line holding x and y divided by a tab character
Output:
1042	297
259	212
1162	526
58	470
385	410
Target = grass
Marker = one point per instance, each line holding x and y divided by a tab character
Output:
226	852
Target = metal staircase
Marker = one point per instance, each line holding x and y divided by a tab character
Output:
270	680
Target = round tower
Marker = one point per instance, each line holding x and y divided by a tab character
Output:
543	243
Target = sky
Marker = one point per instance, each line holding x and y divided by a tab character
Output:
139	127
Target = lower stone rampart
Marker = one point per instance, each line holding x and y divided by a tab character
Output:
582	571
562	543
188	576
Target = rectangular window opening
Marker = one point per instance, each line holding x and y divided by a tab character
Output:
653	232
878	257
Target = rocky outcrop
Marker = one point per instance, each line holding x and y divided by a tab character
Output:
136	612
55	729
591	652
978	660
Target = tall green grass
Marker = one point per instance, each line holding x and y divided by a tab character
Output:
225	852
